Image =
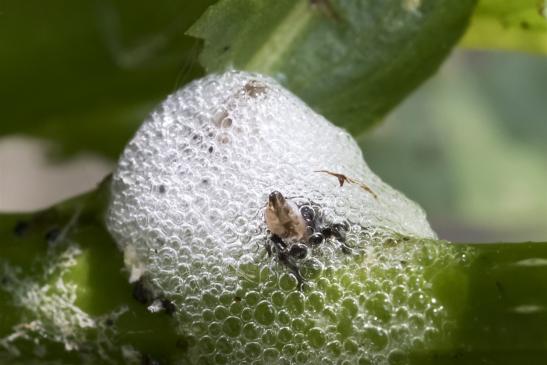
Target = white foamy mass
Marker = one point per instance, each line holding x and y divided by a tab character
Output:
188	197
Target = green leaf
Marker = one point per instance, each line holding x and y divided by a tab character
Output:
86	73
351	60
509	24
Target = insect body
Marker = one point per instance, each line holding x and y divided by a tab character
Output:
284	219
295	229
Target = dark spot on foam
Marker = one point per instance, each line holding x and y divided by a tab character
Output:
168	306
141	293
254	88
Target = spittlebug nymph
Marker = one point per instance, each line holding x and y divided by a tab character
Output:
295	229
283	217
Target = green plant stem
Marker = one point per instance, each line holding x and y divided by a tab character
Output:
499	304
495	294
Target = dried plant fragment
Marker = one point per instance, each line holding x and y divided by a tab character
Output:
343	178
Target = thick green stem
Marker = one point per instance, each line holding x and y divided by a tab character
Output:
499	304
495	295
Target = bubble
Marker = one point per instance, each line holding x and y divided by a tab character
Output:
232	326
288	282
397	357
311	269
252	298
206	344
278	299
401	314
221	359
250	331
350	346
298	324
418	301
247	314
221	312
283	317
289	350
284	335
416	322
301	358
350	307
253	350
236	308
399	294
223	345
334	293
197	326
316	337
209	299
316	301
375	337
295	303
207	315
226	298
346	281
379	306
269	337
299	338
270	355
345	327
329	314
264	313
214	328
334	347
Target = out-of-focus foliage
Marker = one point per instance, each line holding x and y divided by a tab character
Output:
470	147
86	73
509	24
351	60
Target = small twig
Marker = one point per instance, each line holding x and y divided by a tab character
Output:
343	178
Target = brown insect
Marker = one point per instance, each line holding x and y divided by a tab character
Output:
283	217
295	229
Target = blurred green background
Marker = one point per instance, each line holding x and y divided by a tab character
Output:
469	145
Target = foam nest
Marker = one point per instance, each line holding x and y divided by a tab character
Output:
187	210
